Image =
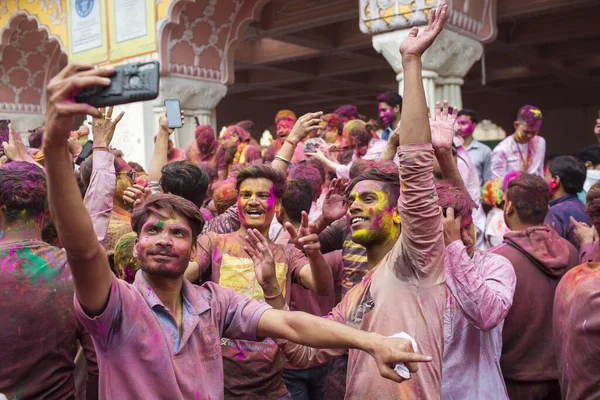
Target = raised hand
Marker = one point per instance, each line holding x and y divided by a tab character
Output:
334	204
451	226
304	238
135	195
416	44
163	121
257	247
304	125
60	99
442	126
104	128
388	352
15	150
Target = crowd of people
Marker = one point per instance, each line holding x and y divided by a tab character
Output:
351	259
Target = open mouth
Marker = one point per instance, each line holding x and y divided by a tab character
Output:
357	220
254	213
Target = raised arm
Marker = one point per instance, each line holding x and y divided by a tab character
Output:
391	147
484	291
88	261
304	125
99	195
161	145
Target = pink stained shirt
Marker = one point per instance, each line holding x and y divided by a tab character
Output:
137	358
406	292
481	290
99	195
509	156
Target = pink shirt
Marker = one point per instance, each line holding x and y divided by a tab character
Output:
481	291
137	358
406	292
509	156
99	195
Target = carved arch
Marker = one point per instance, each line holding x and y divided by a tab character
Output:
198	38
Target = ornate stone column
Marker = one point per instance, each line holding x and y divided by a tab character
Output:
445	63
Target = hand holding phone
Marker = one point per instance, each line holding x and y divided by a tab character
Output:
174	113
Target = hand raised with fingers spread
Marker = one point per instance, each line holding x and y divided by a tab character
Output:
304	238
304	125
416	44
259	251
451	226
104	128
442	127
60	99
163	121
334	204
317	155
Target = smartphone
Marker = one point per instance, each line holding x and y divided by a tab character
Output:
4	131
130	83
173	113
85	152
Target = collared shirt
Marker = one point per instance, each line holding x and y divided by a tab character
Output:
139	360
561	210
481	293
482	158
509	156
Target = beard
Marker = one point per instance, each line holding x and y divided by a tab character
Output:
366	237
172	269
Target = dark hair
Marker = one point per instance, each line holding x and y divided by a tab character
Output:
571	171
23	191
309	174
262	171
185	179
592	205
169	204
450	195
298	197
82	186
591	154
471	114
35	137
390	97
136	167
313	162
347	112
384	172
359	166
530	196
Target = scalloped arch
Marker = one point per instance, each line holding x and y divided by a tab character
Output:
29	56
223	39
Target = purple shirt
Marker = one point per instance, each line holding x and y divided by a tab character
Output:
136	353
559	215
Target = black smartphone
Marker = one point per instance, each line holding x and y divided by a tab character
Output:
130	83
173	113
4	132
85	152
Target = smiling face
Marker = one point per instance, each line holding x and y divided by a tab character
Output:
257	203
465	126
372	218
386	113
165	245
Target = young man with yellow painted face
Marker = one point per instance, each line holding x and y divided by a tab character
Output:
225	259
401	230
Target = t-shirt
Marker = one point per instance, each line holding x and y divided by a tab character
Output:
139	361
252	369
38	327
406	292
577	332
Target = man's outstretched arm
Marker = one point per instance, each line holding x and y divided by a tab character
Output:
88	261
308	330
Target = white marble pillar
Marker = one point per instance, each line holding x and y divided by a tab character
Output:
445	63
